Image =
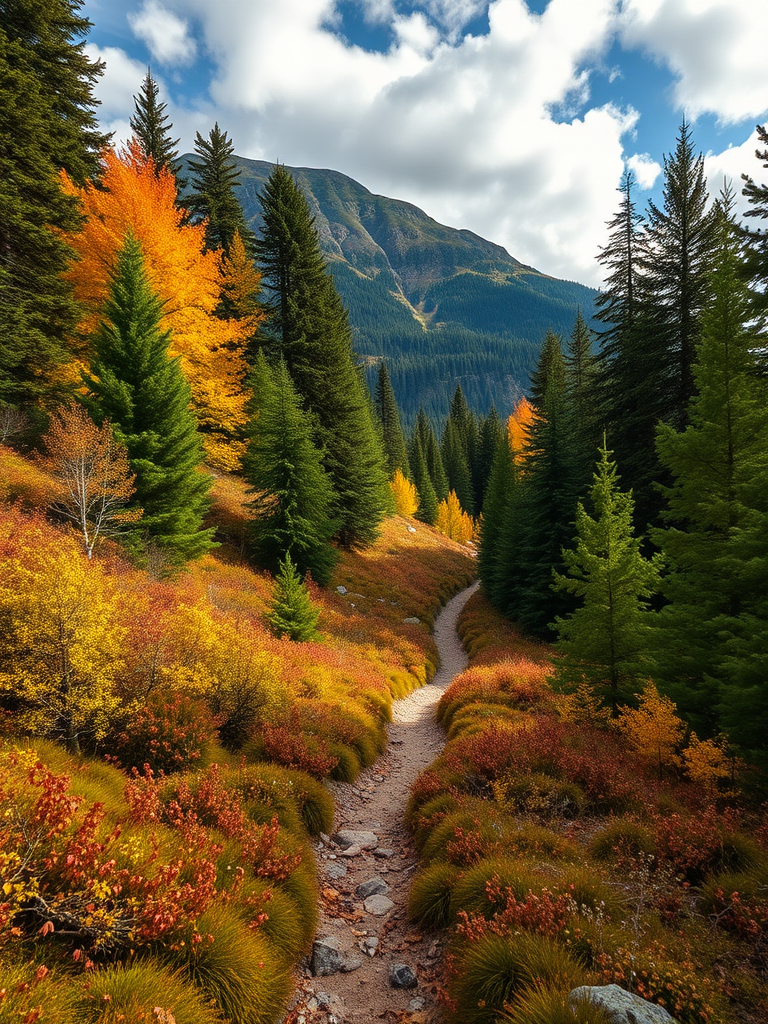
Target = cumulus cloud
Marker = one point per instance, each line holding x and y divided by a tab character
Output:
166	34
645	169
715	49
728	166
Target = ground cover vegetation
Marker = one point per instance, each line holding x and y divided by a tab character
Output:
561	846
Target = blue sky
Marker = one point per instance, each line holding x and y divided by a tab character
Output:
513	118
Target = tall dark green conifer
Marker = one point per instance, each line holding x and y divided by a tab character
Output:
310	330
427	511
151	128
293	495
212	195
756	249
490	436
47	121
454	455
710	636
491	560
136	386
392	435
581	383
433	460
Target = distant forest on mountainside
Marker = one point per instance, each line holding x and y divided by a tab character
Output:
441	306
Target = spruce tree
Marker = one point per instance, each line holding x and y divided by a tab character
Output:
291	613
151	128
711	661
491	562
756	238
581	382
309	328
136	386
212	197
47	122
453	452
393	439
293	495
605	639
491	436
427	511
433	460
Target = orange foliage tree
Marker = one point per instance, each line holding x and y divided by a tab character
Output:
453	521
133	195
95	477
405	494
517	427
653	728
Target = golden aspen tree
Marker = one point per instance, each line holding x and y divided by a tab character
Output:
653	728
453	521
405	494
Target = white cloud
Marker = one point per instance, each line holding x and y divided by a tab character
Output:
121	81
645	169
715	48
455	14
165	33
728	167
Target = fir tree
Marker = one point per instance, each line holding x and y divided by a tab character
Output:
136	386
491	436
291	613
47	122
710	634
605	639
454	456
427	511
392	435
433	460
581	382
293	495
212	196
756	238
151	128
496	506
310	330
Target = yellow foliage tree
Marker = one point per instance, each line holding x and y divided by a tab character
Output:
453	521
653	729
707	763
405	494
134	195
61	650
517	428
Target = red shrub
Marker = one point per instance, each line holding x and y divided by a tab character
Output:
168	734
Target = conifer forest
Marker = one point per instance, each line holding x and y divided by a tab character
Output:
226	535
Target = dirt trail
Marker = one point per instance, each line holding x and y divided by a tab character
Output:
361	991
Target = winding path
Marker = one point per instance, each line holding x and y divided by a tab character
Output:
376	802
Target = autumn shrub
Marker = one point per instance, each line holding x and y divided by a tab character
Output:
273	911
234	966
168	733
429	815
529	838
480	890
517	683
591	893
31	992
620	839
699	844
474	831
301	885
144	993
347	767
275	787
737	903
294	749
541	795
476	717
542	1004
490	973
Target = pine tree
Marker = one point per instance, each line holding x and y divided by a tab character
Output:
310	330
711	658
144	394
393	438
151	128
756	238
47	122
293	495
427	511
605	639
212	195
581	382
291	613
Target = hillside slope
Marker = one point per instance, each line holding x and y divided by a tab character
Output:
441	305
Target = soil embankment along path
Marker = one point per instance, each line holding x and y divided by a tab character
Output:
361	938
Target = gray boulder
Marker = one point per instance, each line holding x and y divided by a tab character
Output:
373	887
327	957
402	976
378	905
621	1007
350	837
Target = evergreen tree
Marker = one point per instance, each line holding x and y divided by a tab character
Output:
581	381
605	639
151	128
710	653
310	329
212	196
291	613
453	452
433	460
293	495
756	250
496	506
491	436
427	511
47	122
392	435
677	262
136	386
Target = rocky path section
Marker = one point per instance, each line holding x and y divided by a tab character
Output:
369	962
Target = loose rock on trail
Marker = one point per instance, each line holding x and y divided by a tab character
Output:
369	961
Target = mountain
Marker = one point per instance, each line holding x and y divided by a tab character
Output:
440	305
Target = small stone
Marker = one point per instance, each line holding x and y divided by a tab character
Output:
373	887
353	963
411	621
402	976
323	1000
352	851
378	778
384	852
326	956
369	945
378	905
313	1004
341	590
417	1004
397	743
411	529
326	840
336	870
351	837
